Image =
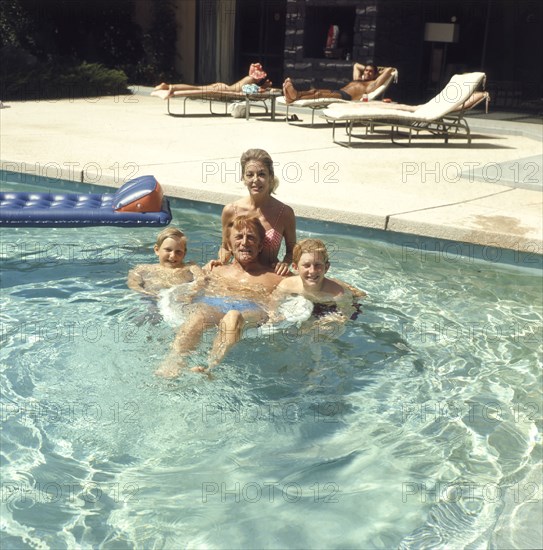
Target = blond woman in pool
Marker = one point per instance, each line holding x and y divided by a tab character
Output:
277	218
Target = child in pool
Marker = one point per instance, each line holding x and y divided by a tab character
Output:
171	270
330	297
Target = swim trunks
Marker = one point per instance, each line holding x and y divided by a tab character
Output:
320	310
357	311
250	88
225	303
344	95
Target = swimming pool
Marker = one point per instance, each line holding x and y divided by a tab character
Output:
418	426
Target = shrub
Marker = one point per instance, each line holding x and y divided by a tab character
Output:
55	80
63	48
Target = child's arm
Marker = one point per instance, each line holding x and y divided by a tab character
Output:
353	309
278	294
356	292
284	289
199	277
136	281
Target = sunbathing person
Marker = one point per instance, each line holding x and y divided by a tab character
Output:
236	294
354	91
365	72
257	76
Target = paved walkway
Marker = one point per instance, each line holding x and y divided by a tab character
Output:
488	194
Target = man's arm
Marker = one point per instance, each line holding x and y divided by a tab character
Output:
381	79
200	278
358	71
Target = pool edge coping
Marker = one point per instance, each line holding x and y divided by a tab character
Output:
398	223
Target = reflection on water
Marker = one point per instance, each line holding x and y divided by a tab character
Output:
416	426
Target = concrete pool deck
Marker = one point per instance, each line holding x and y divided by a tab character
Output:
489	193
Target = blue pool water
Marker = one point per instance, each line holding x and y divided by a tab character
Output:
417	426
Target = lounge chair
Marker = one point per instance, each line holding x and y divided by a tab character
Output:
323	102
257	99
442	116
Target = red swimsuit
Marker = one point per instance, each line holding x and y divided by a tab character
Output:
273	239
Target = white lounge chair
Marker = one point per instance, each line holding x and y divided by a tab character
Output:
442	116
323	102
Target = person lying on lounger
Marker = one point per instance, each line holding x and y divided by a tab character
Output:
257	77
366	79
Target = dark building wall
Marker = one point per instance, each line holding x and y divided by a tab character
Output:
398	43
304	31
384	32
502	38
260	36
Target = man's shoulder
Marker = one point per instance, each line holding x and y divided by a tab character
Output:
276	277
289	283
221	270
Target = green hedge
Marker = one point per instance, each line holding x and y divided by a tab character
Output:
62	80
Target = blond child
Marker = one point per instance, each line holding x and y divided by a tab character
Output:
171	270
329	296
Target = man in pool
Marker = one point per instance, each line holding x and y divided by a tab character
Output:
171	270
333	300
236	294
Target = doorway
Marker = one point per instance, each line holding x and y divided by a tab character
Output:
260	34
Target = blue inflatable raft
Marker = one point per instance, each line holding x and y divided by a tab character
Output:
138	202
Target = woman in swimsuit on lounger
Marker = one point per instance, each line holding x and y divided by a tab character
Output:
366	79
256	75
277	218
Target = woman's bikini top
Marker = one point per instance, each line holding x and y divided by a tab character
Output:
272	239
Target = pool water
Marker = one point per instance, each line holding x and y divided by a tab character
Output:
416	426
